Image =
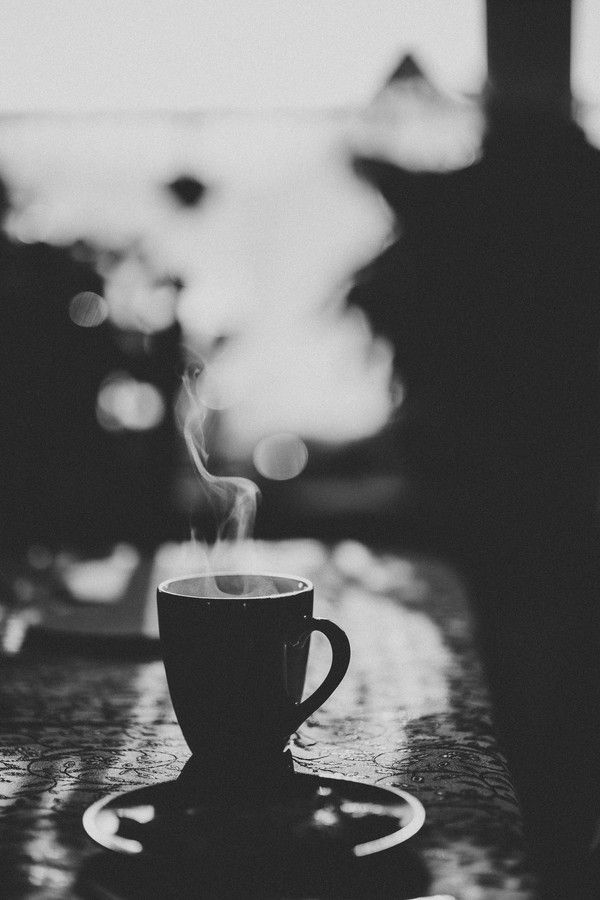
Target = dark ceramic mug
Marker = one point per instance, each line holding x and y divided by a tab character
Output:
236	664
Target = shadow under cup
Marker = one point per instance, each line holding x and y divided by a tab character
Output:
235	649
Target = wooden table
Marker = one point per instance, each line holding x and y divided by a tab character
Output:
412	712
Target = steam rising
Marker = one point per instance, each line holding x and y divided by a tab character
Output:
234	500
233	497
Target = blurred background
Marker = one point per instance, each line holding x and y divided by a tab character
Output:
189	189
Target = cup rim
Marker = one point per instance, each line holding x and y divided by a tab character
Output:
307	586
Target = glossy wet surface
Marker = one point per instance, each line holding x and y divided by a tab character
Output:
412	712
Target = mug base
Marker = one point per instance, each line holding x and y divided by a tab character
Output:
243	780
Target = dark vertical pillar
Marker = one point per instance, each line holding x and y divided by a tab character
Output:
492	298
529	47
536	572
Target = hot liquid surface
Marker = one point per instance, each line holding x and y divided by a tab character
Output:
233	586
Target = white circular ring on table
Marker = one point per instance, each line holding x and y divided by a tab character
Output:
106	810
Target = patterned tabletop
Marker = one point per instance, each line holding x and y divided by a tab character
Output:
412	712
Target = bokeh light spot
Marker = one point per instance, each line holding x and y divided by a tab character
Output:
126	404
88	309
280	456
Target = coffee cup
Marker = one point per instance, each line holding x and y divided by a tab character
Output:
235	649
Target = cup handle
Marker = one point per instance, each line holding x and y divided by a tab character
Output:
340	660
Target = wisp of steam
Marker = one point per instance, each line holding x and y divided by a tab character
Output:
234	500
